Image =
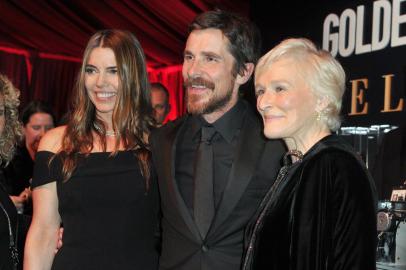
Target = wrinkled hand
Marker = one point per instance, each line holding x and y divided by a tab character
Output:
19	200
26	193
59	243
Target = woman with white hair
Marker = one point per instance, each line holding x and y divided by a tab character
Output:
320	212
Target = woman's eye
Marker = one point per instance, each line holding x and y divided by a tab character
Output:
279	88
259	92
113	71
90	70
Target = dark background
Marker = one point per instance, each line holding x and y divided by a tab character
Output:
284	19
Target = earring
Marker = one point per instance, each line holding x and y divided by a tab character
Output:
319	116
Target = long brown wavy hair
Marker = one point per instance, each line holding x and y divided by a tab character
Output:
132	111
12	132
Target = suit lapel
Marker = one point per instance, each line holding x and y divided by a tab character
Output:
173	136
250	148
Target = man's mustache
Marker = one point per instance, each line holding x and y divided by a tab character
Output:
199	81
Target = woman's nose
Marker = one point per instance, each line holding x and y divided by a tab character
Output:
264	101
100	79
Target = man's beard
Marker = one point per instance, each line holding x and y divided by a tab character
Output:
215	103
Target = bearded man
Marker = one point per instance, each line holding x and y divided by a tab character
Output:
213	165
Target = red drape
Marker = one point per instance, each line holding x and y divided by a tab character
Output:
53	81
171	77
14	66
63	27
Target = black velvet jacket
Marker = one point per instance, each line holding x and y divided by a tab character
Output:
321	216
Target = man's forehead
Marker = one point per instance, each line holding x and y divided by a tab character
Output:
158	94
206	40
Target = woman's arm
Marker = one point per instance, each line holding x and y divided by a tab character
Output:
42	236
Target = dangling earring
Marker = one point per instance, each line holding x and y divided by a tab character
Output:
319	109
319	115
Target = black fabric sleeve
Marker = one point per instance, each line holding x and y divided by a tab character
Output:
45	169
334	216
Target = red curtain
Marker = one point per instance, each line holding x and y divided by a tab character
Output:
14	66
63	27
53	81
171	77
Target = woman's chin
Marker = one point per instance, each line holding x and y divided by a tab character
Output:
271	134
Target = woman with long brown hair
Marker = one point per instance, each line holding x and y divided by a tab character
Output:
93	175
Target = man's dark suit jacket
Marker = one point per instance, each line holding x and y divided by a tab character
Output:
255	167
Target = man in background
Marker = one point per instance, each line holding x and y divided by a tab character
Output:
160	102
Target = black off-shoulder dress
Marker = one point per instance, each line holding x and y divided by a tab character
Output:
110	218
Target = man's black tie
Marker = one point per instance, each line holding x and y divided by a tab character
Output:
203	193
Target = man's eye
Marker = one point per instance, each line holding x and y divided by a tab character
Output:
36	127
187	57
211	58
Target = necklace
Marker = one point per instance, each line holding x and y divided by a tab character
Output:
12	243
295	153
109	133
267	200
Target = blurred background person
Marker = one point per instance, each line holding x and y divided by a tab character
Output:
93	174
321	211
37	118
10	133
160	102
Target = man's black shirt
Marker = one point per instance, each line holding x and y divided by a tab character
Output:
224	142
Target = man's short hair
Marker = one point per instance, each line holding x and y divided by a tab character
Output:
160	86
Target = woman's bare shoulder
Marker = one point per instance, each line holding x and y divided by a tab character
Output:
52	140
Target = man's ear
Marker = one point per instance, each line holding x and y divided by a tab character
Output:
246	74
